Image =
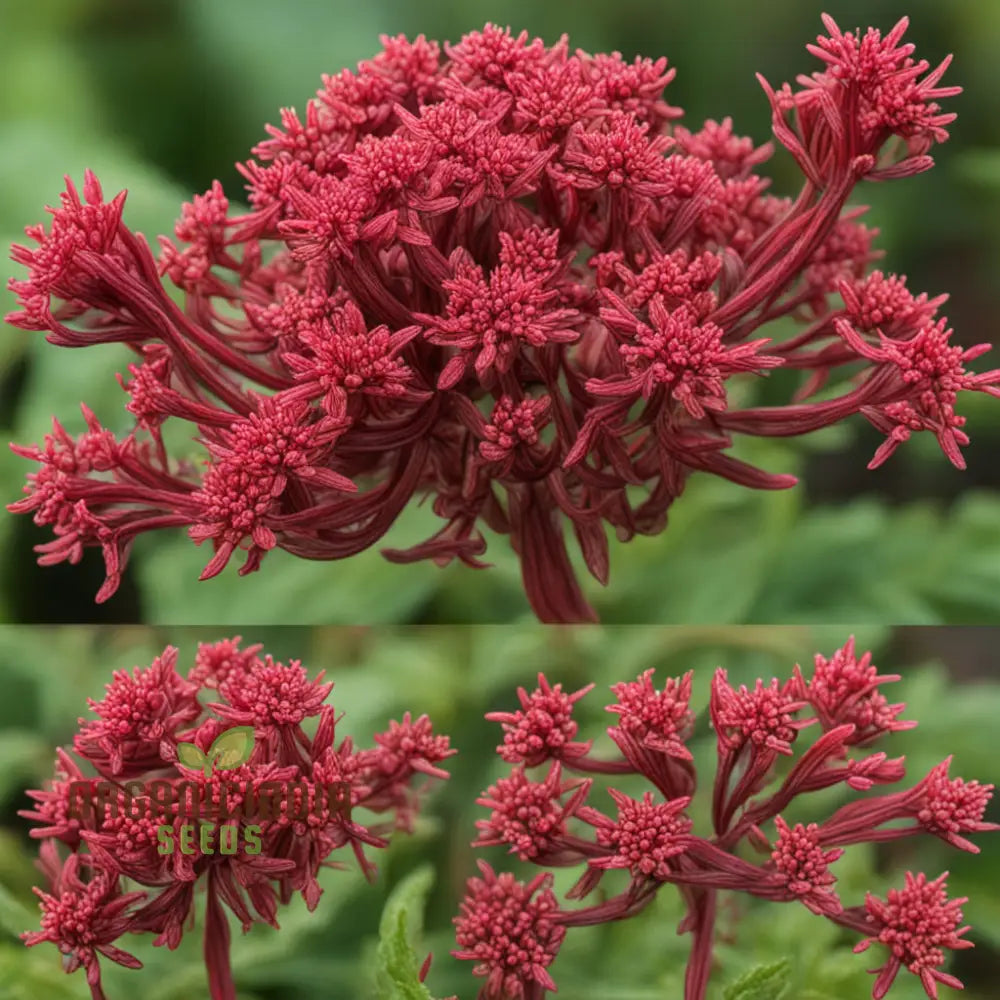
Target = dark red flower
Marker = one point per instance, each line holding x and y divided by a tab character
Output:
916	923
270	694
140	711
530	816
950	807
761	718
459	273
543	728
216	661
645	836
803	866
660	720
845	689
84	918
653	837
253	822
508	929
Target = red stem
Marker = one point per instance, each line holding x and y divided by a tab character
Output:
699	964
220	973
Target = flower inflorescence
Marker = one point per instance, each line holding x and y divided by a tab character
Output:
501	276
129	806
552	821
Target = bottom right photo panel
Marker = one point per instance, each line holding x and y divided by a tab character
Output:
643	813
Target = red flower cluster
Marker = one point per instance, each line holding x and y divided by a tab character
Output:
501	278
513	931
253	829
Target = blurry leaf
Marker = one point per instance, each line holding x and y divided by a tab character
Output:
22	753
15	918
39	154
398	970
324	38
866	563
980	166
13	343
45	79
287	590
31	973
764	982
21	700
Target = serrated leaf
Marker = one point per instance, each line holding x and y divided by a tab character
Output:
231	748
190	755
398	970
763	982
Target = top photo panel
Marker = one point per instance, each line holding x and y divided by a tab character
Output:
500	312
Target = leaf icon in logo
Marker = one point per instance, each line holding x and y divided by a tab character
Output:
232	748
190	755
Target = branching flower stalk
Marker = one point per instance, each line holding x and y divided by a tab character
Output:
131	826
513	931
505	278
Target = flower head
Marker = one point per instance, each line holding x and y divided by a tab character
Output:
880	68
845	689
950	807
675	352
508	929
512	425
233	796
84	918
804	866
761	717
931	372
543	728
411	746
215	662
79	227
660	720
529	815
139	711
645	837
916	923
462	267
272	694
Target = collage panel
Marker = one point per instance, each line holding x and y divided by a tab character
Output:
501	500
639	812
500	325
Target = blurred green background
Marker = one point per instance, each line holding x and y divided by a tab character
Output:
165	95
456	675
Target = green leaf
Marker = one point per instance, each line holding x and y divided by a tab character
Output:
190	755
232	748
364	589
398	970
22	754
980	166
36	972
15	917
763	982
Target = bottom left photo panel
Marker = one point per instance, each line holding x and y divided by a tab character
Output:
442	813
